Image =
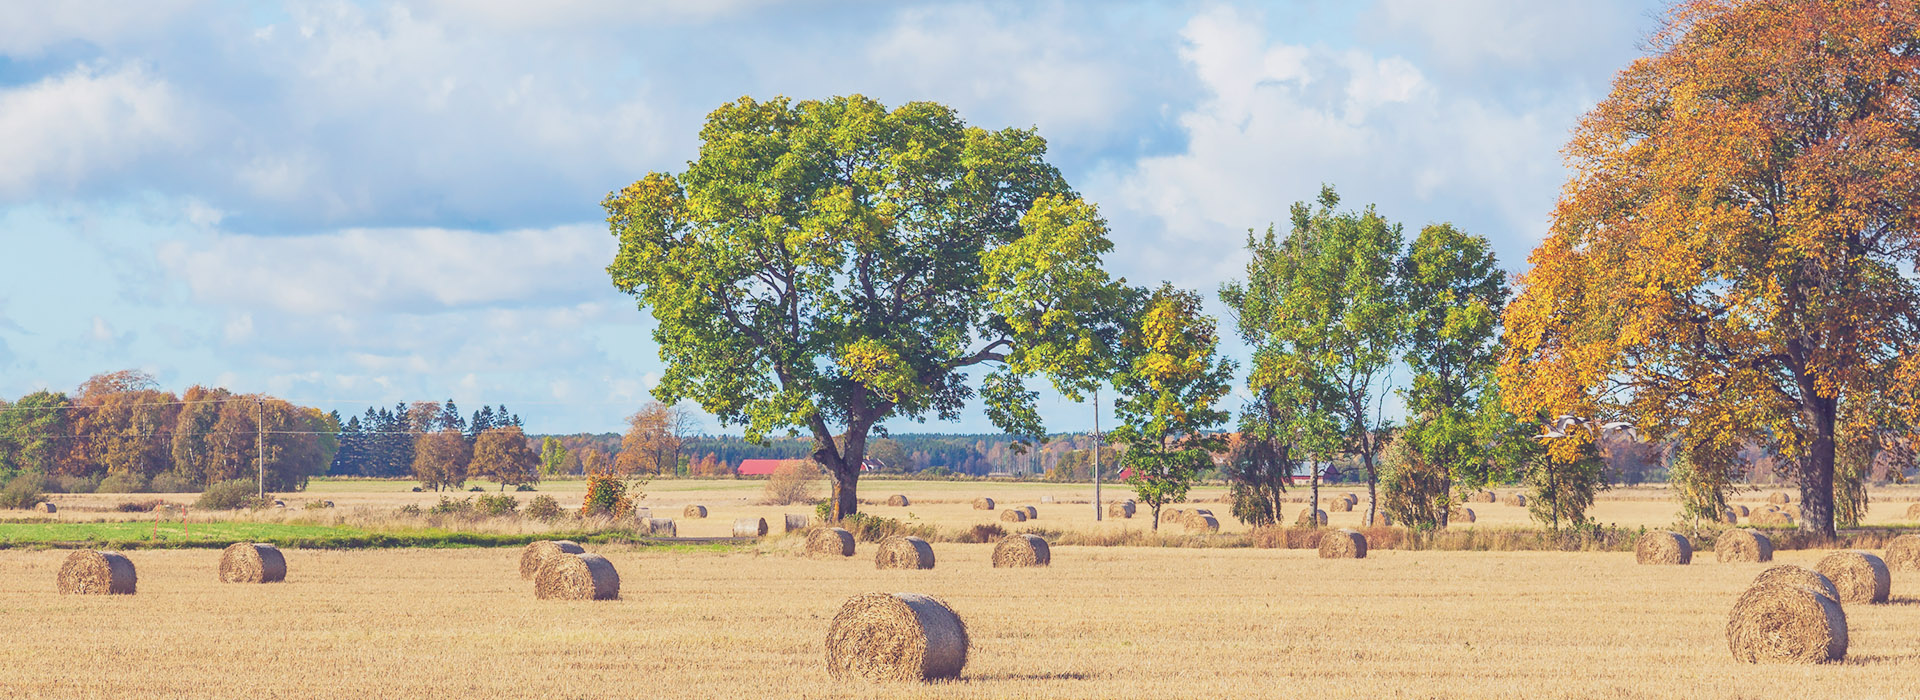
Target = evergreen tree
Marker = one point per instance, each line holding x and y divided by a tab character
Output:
450	419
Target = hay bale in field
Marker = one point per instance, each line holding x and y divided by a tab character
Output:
1483	497
1742	545
1339	505
833	541
903	552
89	572
1903	553
1728	517
642	515
898	500
1742	510
1779	498
1461	515
796	522
1859	577
1343	544
252	562
46	507
1013	515
1663	547
577	577
1120	509
1791	511
983	503
1781	622
662	527
1022	550
1515	499
1205	523
1386	518
1913	512
1770	518
537	553
750	527
1312	517
1798	576
1032	512
694	511
881	637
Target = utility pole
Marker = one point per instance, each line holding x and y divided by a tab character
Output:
259	449
1098	512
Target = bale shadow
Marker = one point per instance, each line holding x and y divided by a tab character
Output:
1901	600
1058	676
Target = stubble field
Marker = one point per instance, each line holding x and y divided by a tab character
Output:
1102	622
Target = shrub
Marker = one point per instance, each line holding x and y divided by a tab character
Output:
476	489
982	534
523	488
232	494
23	491
78	484
606	495
791	483
502	504
171	483
122	482
144	506
410	509
448	506
543	507
873	528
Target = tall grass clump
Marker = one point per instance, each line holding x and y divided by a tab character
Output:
232	494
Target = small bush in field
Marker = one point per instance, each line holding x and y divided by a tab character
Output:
23	491
477	489
543	507
524	488
410	509
448	506
143	506
232	494
982	533
791	483
123	482
169	483
606	495
78	484
501	504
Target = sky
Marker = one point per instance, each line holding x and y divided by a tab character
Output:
352	204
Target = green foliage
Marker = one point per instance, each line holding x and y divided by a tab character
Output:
1563	489
122	482
23	491
1453	292
553	456
1701	473
496	504
232	494
544	507
1171	381
1413	489
828	265
524	488
873	528
606	495
171	483
448	506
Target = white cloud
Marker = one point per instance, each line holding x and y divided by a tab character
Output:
101	333
367	271
65	130
1476	35
28	28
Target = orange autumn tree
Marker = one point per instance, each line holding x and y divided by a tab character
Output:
1727	262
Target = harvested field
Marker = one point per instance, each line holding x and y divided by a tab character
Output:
420	623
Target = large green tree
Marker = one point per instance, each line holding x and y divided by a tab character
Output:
824	266
1171	379
1452	291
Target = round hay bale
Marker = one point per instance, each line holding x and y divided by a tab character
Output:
1791	511
1781	622
904	552
642	515
1122	509
1013	515
662	527
1858	576
1343	544
1770	518
1032	512
577	577
252	562
796	521
750	527
694	511
1913	511
1797	576
1340	505
834	541
1903	553
1386	518
1515	499
1727	516
1022	550
1203	511
1742	545
898	500
537	553
1483	497
1779	498
880	637
1312	518
1461	515
1663	547
46	507
983	503
89	572
1742	510
1202	522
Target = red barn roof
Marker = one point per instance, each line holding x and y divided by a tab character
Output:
762	467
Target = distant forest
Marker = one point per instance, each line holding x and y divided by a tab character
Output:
1067	456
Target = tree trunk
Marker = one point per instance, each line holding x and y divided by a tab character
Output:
845	468
1156	517
1313	499
1373	481
1446	497
1816	468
